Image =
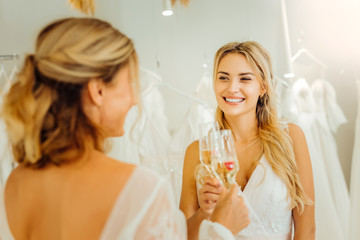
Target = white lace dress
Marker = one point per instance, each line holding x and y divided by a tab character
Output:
144	210
266	198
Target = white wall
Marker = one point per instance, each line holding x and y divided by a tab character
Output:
176	47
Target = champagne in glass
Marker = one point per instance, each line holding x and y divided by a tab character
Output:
207	131
205	157
226	164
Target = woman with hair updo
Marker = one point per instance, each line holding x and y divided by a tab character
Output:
72	93
275	173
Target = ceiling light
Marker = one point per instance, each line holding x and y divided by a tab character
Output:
167	9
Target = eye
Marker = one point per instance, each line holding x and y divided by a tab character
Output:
223	78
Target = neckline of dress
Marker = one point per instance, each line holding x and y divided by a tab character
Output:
252	175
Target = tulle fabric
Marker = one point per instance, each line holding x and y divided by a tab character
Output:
214	231
355	178
6	158
145	210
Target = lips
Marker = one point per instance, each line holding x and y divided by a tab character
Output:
233	99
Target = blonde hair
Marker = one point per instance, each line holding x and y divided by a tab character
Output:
276	142
42	110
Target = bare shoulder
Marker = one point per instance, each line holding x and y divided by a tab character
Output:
294	129
193	147
100	162
21	176
120	166
297	135
16	176
191	160
192	154
300	146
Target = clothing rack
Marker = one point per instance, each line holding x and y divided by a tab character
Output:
282	81
161	83
308	53
9	57
4	75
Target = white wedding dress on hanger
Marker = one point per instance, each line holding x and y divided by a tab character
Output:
200	111
6	158
328	111
285	100
146	144
355	178
331	198
152	146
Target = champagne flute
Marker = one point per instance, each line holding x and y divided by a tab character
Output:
207	131
225	163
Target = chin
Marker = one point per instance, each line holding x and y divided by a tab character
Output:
120	132
116	132
233	112
230	111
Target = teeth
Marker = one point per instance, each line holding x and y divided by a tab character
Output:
234	100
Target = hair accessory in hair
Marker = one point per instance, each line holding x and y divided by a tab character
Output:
85	6
183	2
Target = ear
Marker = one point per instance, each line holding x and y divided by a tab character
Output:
96	89
263	91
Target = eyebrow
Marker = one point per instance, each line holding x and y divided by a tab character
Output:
240	74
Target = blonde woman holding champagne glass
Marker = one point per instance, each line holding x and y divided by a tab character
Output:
275	173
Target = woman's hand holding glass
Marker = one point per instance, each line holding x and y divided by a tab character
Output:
210	194
219	165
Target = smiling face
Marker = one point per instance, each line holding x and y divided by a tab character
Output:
237	87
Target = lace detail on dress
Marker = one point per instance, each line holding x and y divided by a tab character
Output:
269	220
266	198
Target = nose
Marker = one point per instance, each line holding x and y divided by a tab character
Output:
234	86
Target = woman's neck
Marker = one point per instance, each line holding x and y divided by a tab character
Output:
244	128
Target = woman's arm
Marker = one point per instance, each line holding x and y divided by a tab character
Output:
305	222
197	209
188	200
231	212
